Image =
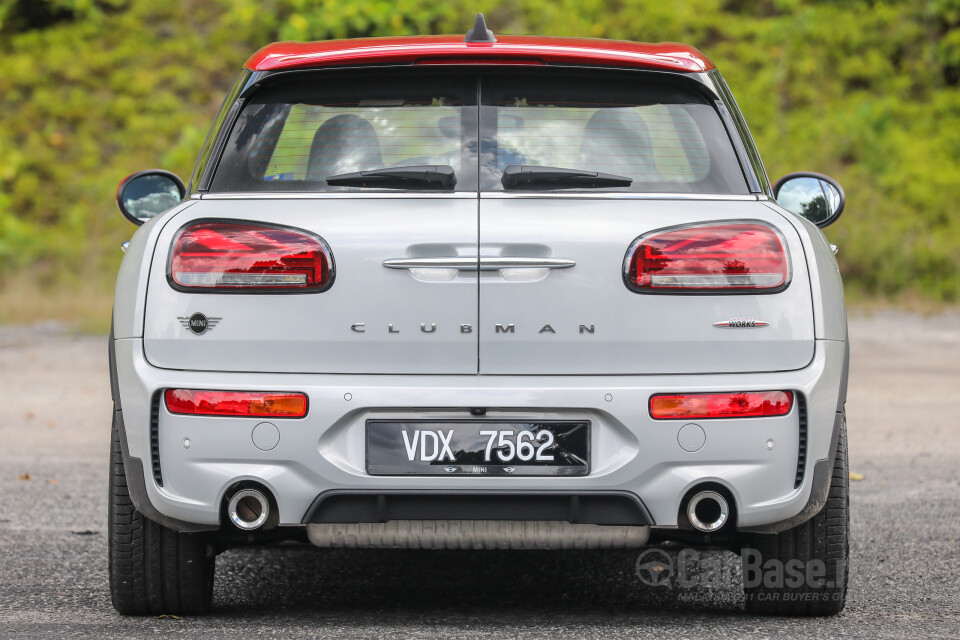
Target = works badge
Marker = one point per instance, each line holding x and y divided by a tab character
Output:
741	323
198	323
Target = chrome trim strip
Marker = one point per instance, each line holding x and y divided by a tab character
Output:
621	196
472	195
463	263
484	263
292	195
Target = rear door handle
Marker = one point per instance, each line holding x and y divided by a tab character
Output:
484	263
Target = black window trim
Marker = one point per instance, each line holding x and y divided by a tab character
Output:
209	156
752	157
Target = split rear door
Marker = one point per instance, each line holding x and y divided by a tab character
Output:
560	304
383	313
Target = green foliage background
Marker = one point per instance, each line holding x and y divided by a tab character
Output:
866	91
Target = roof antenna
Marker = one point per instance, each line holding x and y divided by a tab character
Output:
480	33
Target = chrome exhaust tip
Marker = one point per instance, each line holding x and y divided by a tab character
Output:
707	511
248	509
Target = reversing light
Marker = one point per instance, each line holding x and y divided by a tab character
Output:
240	256
236	403
740	404
729	258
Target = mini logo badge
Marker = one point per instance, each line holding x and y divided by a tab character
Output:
741	323
450	469
509	469
198	323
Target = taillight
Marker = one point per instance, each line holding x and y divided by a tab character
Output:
241	256
744	257
236	403
748	404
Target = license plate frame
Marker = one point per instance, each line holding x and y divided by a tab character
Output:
388	451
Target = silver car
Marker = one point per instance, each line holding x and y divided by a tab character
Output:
488	293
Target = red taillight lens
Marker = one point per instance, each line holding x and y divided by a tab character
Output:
749	404
233	255
725	257
236	403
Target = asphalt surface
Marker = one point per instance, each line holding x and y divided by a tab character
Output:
905	563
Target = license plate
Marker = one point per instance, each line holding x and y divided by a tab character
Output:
478	447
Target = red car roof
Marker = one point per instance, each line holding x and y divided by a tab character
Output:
452	49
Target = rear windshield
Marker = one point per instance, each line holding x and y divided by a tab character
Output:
295	135
659	135
665	138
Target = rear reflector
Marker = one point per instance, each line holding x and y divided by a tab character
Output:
235	255
236	403
717	257
750	404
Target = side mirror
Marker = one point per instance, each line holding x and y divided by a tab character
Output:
814	196
149	193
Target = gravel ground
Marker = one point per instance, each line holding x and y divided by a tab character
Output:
905	581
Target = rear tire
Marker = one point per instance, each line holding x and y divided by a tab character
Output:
820	547
153	569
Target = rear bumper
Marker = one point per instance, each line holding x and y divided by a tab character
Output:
325	451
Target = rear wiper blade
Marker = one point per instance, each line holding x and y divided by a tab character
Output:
517	176
432	176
